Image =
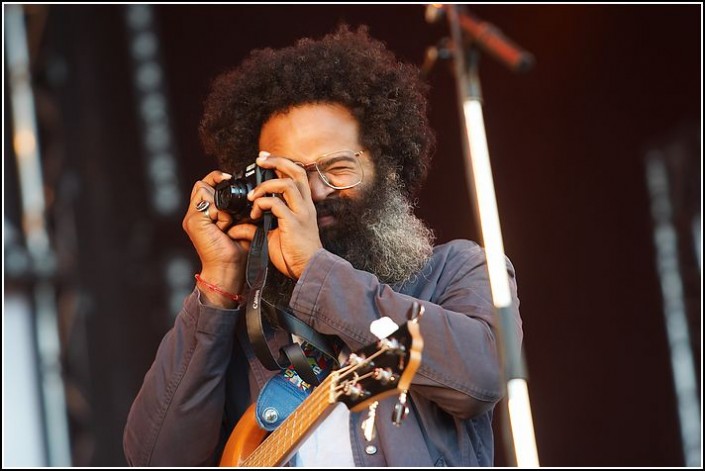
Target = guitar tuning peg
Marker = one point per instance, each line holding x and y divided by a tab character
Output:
368	425
401	410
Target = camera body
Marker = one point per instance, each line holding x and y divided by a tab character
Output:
231	195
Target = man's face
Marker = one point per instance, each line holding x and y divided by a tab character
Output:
305	134
371	225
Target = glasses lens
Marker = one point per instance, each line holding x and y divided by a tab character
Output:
340	170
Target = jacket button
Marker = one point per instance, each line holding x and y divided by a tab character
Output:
370	449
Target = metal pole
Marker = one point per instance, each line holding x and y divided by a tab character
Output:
468	29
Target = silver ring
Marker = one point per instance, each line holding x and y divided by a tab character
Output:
202	206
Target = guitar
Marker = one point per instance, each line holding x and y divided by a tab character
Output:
375	372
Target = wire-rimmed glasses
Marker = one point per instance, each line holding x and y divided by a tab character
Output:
339	170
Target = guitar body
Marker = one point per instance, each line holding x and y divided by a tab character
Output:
244	439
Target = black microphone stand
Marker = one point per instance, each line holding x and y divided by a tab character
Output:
467	30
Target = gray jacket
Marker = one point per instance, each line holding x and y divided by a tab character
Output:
205	374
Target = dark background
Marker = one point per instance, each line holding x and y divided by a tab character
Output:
567	143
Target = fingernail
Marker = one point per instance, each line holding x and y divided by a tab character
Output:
263	155
226	175
250	194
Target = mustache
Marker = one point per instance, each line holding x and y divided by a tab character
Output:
332	206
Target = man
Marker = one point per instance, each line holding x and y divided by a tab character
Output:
343	125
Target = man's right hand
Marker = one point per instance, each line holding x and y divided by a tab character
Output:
221	248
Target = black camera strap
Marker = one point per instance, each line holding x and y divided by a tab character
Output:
292	354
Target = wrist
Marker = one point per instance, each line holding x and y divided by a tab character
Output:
225	278
217	296
211	299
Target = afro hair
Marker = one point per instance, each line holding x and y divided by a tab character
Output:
387	97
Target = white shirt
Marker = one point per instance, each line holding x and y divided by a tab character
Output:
328	445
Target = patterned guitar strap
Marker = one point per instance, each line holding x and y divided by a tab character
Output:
284	392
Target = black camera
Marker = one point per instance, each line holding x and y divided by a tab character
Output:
231	195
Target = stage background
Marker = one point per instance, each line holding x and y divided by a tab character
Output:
567	141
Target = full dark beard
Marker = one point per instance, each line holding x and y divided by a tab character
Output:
376	232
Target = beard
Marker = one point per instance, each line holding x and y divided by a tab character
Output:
376	232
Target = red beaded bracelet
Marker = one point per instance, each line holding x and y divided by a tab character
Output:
235	297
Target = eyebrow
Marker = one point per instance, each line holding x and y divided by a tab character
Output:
312	166
340	157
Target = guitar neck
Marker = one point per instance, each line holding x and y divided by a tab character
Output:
281	444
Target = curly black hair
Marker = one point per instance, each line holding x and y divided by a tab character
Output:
387	97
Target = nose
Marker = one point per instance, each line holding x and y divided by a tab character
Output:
319	190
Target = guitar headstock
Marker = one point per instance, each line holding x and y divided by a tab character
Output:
379	370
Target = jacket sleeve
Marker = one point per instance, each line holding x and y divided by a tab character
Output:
460	368
177	415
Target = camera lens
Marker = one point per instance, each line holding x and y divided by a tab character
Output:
231	196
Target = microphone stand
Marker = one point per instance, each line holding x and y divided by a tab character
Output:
466	29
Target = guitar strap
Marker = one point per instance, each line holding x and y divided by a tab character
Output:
284	392
291	355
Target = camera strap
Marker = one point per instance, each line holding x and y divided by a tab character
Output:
292	355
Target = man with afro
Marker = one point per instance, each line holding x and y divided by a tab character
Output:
342	125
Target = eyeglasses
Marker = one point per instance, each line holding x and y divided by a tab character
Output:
339	170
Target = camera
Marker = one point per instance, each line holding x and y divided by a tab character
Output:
231	195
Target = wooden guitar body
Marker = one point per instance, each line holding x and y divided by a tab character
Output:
244	439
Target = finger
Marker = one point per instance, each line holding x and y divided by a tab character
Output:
242	232
286	168
212	179
216	177
202	192
223	219
286	187
195	219
270	203
198	219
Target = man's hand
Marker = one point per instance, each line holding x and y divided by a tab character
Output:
223	252
296	238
